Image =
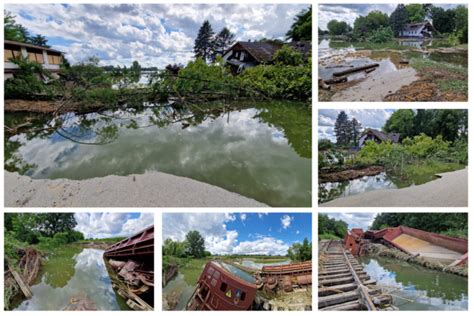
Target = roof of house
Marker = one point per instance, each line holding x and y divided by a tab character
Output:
416	26
263	51
32	46
393	137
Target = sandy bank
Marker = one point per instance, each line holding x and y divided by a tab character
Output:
376	86
154	189
449	190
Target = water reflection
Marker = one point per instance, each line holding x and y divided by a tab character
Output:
89	280
418	288
261	150
331	190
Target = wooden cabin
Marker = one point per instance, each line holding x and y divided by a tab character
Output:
49	58
418	30
378	137
243	55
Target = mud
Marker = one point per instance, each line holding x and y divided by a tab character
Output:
350	174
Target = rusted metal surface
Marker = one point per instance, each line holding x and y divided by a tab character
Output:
290	269
219	289
285	277
140	244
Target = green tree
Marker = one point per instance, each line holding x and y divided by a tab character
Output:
338	27
39	40
401	121
48	224
300	252
223	40
301	29
444	21
195	244
355	128
135	70
12	30
204	43
330	226
416	12
365	26
342	129
461	14
399	18
288	56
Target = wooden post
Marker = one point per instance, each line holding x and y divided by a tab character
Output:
23	286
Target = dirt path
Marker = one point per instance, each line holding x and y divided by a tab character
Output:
376	86
449	190
154	189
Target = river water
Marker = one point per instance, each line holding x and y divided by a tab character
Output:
260	150
417	288
73	273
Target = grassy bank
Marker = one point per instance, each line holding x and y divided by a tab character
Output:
189	267
328	236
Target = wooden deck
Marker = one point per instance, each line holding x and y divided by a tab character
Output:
343	284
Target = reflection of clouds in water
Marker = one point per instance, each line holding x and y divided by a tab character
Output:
364	184
90	281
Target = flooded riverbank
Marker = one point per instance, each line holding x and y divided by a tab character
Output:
73	274
417	288
399	65
258	150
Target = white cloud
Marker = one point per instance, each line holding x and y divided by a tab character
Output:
286	221
104	225
154	34
243	217
355	220
218	239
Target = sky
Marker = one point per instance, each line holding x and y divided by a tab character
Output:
241	233
354	220
106	225
368	118
153	34
349	12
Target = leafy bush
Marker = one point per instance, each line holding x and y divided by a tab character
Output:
382	35
288	56
325	144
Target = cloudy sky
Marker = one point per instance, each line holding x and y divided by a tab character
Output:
105	225
241	233
355	220
153	34
368	118
349	12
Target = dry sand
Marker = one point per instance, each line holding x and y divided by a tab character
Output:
154	189
376	86
449	190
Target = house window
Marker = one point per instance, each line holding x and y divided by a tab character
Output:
9	54
54	59
36	56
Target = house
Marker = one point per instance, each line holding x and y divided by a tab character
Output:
378	137
243	55
418	30
49	58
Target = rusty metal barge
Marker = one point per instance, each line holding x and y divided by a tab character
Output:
131	269
283	287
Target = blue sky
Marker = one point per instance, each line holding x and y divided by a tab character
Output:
241	233
153	34
105	225
349	12
375	119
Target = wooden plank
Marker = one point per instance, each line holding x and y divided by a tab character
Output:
341	288
355	69
23	286
349	306
342	298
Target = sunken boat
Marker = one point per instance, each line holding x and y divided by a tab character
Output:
131	269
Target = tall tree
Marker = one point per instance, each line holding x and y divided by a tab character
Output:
195	244
399	18
444	21
338	27
301	29
223	40
342	129
401	122
39	40
355	128
300	252
204	43
417	12
51	223
12	30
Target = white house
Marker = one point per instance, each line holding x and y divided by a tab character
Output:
418	30
50	59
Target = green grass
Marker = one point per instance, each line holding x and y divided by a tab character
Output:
458	233
328	236
193	269
111	240
453	77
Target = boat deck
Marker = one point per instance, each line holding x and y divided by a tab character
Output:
425	249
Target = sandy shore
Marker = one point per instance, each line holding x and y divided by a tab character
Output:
449	190
154	189
375	87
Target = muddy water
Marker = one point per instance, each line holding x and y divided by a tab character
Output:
70	274
417	288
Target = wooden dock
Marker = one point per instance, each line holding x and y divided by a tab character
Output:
343	284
